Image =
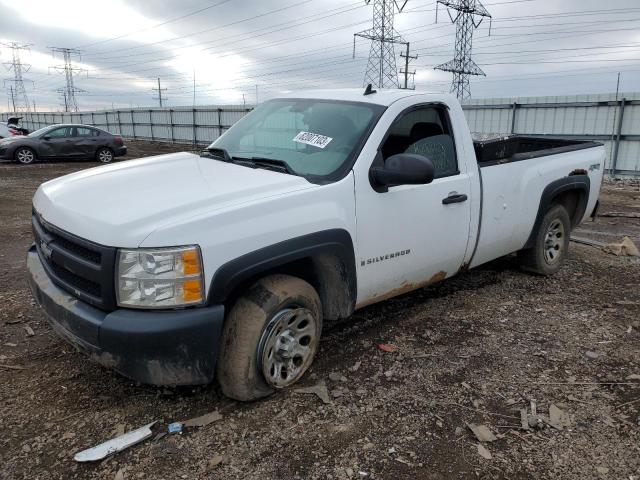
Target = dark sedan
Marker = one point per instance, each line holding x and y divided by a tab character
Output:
63	142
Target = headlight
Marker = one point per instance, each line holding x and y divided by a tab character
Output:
160	277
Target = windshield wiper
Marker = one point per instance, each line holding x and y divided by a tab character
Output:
223	154
266	163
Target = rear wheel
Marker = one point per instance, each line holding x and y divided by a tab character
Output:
551	244
25	155
270	338
104	155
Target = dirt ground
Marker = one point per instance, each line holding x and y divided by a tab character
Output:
475	349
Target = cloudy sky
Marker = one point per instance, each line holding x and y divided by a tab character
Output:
239	48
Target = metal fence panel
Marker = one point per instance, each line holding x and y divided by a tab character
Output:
182	124
589	117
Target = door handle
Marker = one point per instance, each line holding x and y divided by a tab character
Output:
455	198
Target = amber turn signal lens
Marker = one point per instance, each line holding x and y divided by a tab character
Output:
191	262
192	291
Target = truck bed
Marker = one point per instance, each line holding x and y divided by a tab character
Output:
513	148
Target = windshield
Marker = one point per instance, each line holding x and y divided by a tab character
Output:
41	131
313	137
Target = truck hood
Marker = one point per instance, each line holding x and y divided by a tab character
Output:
121	204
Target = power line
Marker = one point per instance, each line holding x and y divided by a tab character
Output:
164	58
273	59
249	49
156	25
250	36
216	29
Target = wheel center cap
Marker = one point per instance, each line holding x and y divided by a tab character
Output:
285	345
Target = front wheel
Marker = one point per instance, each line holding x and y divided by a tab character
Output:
25	156
104	155
551	244
270	337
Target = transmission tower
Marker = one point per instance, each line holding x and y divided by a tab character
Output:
381	68
18	92
469	16
68	93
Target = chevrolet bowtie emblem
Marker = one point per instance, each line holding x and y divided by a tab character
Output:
44	246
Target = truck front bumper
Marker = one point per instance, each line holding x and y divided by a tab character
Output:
178	347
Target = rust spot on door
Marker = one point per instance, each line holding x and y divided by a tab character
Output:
405	287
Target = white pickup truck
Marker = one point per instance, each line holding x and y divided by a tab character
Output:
182	268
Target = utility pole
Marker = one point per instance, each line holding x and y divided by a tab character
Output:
18	92
615	118
469	16
381	67
159	90
69	91
406	71
194	88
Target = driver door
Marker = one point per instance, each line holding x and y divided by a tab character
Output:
57	143
413	235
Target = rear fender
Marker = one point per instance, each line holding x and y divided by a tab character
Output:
579	183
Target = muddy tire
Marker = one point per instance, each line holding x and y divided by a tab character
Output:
551	245
270	337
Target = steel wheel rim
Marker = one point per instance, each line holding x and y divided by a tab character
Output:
25	156
554	242
105	156
287	346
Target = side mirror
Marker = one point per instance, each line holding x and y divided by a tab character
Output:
403	169
46	137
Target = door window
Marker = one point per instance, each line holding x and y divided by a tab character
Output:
86	132
424	131
60	132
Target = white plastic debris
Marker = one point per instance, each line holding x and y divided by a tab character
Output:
482	433
114	445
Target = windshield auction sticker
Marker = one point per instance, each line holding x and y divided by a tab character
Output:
314	139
